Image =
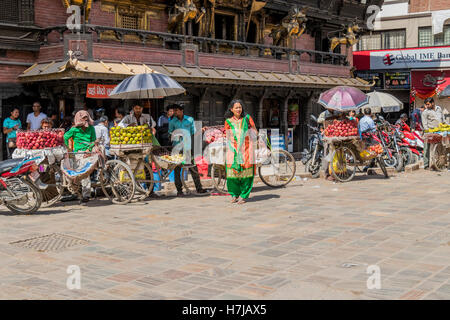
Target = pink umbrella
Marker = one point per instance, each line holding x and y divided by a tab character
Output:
343	98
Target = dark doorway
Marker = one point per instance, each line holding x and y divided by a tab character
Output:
224	27
252	35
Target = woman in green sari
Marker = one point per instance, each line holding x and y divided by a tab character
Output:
240	157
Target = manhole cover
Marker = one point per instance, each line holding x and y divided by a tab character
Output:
50	242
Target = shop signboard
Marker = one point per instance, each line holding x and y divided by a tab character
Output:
397	80
408	58
99	91
369	76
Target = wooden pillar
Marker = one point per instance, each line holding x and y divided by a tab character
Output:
284	117
261	108
200	109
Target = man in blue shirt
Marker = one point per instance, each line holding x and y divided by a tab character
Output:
366	124
181	129
416	119
10	126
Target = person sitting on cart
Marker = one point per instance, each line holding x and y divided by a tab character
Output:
328	115
137	118
84	137
367	127
181	122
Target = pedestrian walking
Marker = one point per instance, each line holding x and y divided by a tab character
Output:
430	120
241	135
10	126
34	118
182	130
83	135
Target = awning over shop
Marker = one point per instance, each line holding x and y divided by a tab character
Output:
99	70
429	83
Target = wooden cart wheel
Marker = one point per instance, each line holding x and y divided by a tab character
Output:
279	171
438	156
53	193
144	181
219	177
343	164
117	181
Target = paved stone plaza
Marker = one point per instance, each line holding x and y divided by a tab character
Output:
312	240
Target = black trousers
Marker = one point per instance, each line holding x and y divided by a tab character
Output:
195	177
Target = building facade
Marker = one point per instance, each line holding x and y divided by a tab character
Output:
274	55
408	51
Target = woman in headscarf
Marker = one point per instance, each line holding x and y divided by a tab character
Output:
240	158
83	135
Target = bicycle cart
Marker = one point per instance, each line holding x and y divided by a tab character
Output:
166	161
276	167
439	150
136	157
347	153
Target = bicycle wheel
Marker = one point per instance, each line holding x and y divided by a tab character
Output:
54	191
382	167
144	181
219	177
343	165
280	171
438	156
27	204
117	176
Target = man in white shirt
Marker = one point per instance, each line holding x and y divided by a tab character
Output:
34	119
101	131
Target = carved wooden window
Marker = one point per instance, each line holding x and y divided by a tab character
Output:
9	11
129	21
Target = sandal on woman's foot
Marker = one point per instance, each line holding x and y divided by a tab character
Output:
234	199
241	201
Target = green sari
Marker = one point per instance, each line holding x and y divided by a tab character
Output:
240	166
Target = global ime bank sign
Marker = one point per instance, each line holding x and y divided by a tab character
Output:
410	58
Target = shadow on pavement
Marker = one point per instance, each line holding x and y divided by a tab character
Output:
40	212
262	197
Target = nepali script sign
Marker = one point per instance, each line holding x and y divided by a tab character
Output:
410	58
99	91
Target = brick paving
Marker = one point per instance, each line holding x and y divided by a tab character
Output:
311	240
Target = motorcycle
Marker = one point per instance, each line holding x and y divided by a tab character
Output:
312	157
391	155
413	141
17	190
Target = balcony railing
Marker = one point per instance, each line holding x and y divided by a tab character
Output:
207	45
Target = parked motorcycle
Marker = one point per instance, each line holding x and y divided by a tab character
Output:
17	190
312	157
413	141
391	155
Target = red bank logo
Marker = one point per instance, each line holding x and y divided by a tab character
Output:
389	59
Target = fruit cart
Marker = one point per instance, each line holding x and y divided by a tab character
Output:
132	145
439	149
48	146
114	177
347	151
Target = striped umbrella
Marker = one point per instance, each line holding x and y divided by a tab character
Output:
343	98
147	86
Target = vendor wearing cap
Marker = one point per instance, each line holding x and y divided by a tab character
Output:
182	124
137	118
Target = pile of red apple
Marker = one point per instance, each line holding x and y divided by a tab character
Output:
214	134
40	139
342	128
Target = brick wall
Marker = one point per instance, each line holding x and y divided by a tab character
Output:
21	56
428	5
135	54
50	53
236	62
49	13
9	73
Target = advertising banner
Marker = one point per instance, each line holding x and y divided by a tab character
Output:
410	58
99	91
